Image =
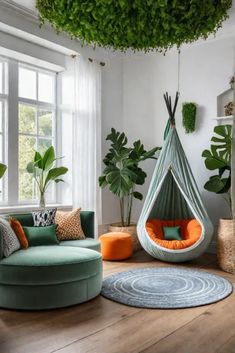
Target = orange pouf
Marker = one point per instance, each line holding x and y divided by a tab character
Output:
116	246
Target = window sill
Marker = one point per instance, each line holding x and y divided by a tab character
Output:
28	208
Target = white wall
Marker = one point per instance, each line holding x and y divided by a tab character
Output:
205	72
112	104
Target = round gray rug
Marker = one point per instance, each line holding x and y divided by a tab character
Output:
166	288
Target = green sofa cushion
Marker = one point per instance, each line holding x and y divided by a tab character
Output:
41	235
88	243
49	265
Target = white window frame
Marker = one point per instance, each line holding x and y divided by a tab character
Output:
4	99
12	129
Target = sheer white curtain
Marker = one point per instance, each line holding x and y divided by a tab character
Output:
87	136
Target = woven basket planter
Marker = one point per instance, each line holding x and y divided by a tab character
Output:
226	245
132	230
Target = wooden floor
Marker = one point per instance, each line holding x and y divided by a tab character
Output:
103	326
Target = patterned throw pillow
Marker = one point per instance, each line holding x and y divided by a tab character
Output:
69	225
44	218
10	240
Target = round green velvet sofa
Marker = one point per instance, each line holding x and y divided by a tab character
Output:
52	276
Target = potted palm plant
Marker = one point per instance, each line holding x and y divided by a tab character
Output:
219	158
44	171
122	174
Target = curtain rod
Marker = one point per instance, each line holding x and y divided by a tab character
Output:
101	63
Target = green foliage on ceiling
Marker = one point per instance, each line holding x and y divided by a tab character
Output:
136	24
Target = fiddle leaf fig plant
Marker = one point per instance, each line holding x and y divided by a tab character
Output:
219	158
122	172
44	171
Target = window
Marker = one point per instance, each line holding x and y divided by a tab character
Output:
27	123
36	114
3	119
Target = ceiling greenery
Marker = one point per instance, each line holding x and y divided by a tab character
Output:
135	24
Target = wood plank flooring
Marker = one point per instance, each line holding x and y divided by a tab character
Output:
103	326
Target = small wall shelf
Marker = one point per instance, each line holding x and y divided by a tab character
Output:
224	120
223	99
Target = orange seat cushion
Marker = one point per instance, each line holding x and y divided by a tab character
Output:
116	246
190	230
19	231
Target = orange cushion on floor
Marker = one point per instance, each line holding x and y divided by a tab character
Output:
190	230
116	246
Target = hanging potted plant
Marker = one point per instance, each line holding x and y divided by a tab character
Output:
189	111
44	172
219	158
122	174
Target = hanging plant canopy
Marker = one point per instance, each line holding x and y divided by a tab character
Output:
138	24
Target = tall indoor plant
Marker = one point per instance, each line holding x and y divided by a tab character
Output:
219	158
44	171
122	174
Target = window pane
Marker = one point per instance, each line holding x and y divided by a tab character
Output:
27	119
26	153
43	144
44	122
45	88
27	83
1	114
1	77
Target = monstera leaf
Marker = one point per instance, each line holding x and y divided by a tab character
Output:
223	142
219	158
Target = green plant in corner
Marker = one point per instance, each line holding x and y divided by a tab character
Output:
189	111
219	158
122	172
3	168
44	172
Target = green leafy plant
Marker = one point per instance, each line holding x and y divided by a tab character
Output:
44	172
189	111
122	172
139	24
3	168
219	158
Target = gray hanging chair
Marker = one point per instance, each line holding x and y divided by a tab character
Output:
173	196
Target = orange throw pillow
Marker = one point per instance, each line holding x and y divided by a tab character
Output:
69	225
19	231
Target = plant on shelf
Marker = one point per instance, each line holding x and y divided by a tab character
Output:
189	111
139	25
219	158
122	172
44	171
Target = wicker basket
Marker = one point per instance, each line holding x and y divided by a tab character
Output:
226	245
116	227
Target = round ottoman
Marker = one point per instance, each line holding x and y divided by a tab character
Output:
46	277
116	246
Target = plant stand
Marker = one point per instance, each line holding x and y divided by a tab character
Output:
226	245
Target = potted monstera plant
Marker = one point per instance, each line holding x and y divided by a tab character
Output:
122	175
218	159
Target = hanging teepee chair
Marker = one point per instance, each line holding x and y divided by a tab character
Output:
173	200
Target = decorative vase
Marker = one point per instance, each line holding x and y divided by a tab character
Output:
226	245
42	203
131	229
